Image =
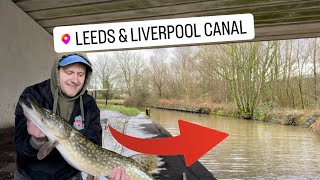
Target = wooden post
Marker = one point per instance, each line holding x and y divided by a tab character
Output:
148	111
107	96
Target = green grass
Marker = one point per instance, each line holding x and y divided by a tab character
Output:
124	110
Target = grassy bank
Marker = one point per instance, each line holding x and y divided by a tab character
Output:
122	109
286	116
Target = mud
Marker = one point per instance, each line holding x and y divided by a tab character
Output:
7	154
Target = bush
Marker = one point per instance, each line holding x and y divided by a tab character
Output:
316	126
111	101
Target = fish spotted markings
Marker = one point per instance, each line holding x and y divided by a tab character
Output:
77	150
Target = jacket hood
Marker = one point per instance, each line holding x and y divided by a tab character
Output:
67	103
55	81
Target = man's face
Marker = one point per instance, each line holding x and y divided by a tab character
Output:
72	78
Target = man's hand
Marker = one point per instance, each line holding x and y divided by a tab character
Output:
38	139
118	173
33	130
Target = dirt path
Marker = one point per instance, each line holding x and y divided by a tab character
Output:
7	154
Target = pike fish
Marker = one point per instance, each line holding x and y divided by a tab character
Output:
80	152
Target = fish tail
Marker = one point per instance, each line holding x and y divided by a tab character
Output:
151	163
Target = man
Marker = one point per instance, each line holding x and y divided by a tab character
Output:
65	94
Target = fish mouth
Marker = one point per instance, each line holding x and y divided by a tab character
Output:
35	106
24	103
32	111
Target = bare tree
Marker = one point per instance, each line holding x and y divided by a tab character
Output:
315	54
183	72
104	69
247	72
131	67
209	65
158	71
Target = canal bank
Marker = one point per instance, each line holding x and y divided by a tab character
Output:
307	118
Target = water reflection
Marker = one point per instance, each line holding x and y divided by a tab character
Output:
253	150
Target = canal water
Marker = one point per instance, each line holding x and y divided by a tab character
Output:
253	150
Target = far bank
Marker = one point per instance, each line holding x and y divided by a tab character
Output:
306	118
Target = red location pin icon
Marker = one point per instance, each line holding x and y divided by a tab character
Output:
65	38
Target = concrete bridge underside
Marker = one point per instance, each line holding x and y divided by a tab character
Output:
274	19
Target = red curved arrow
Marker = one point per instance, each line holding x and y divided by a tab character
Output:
193	142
